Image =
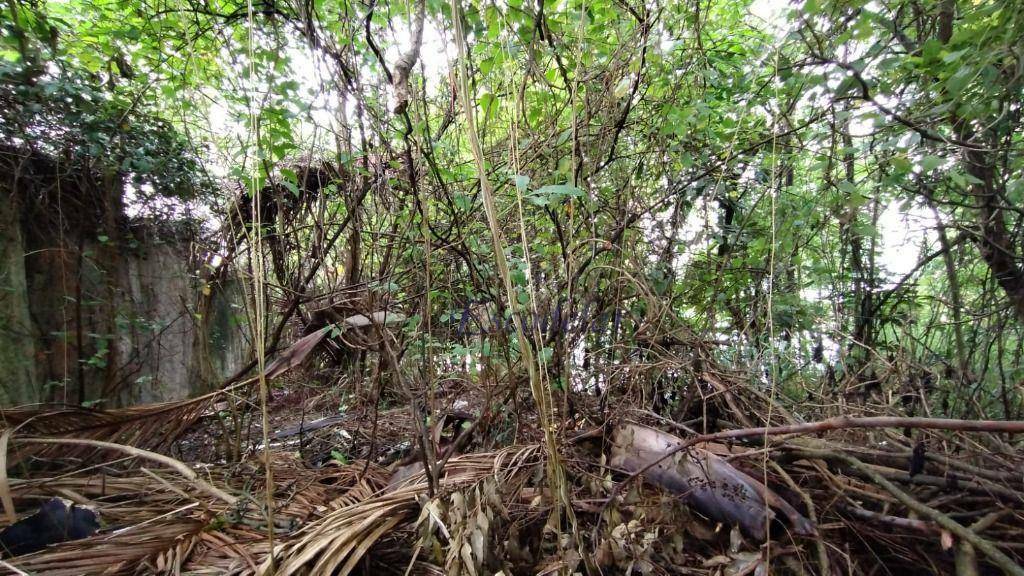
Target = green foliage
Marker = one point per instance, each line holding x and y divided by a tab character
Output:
68	115
695	169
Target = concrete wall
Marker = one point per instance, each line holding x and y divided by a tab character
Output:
118	324
161	328
18	381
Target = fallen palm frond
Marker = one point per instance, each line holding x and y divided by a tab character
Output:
155	522
134	551
297	353
950	497
151	519
336	543
149	427
177	466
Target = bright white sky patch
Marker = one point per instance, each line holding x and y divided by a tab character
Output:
771	13
902	235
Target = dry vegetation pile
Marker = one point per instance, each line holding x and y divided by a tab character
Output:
180	488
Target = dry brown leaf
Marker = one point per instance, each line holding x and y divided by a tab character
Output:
946	539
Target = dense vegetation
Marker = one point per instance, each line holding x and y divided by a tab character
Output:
570	206
693	166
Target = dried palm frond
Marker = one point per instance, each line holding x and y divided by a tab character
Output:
139	550
297	353
335	543
116	498
158	523
228	552
150	427
179	467
151	521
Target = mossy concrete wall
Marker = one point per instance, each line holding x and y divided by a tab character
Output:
17	350
81	321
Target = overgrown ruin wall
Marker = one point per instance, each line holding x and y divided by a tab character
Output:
162	299
17	354
96	309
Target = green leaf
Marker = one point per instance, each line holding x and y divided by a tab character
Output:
554	193
930	163
291	187
521	181
957	82
954	56
900	164
523	298
463	202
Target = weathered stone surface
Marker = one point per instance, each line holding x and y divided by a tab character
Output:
17	361
78	327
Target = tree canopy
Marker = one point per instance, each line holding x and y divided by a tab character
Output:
831	183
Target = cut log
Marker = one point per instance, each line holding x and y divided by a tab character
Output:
705	481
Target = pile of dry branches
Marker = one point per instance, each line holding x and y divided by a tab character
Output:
749	490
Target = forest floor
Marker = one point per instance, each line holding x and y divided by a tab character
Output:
181	488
